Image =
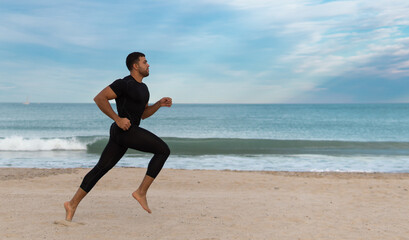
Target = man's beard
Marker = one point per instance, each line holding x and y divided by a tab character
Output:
144	73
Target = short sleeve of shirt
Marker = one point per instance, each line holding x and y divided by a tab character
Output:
118	86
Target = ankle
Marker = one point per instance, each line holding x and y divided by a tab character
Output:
73	204
141	192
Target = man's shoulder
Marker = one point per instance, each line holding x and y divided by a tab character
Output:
122	81
126	79
121	85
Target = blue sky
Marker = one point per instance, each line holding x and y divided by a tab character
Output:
208	51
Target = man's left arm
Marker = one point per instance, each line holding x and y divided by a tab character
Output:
150	110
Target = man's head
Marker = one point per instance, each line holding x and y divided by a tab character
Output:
136	61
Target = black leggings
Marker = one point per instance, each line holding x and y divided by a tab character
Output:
119	141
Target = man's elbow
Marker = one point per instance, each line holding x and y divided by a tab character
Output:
98	99
144	115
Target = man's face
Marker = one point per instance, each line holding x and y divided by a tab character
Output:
143	67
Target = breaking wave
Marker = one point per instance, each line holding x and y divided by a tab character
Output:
214	146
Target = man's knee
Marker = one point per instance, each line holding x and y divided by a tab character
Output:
166	150
163	152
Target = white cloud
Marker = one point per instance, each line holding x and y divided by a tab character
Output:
331	39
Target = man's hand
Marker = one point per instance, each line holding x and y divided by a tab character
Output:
123	123
165	102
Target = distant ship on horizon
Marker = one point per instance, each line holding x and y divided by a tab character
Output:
27	102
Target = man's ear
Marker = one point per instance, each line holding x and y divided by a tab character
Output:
135	66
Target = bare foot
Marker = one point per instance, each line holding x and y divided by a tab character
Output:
69	211
67	223
142	200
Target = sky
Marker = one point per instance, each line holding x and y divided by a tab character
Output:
208	51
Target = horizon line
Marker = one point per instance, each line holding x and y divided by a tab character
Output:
230	103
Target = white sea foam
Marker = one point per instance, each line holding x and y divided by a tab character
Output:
18	143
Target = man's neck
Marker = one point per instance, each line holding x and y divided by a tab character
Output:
136	76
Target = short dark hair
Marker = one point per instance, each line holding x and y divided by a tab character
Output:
133	58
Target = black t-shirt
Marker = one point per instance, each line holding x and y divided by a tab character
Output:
132	98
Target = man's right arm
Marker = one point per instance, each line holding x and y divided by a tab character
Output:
102	101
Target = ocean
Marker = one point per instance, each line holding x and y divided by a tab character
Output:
257	137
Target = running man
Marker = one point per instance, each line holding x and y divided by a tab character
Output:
131	96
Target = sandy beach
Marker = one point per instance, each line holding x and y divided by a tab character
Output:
197	204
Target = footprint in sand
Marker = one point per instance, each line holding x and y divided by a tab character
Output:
68	223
